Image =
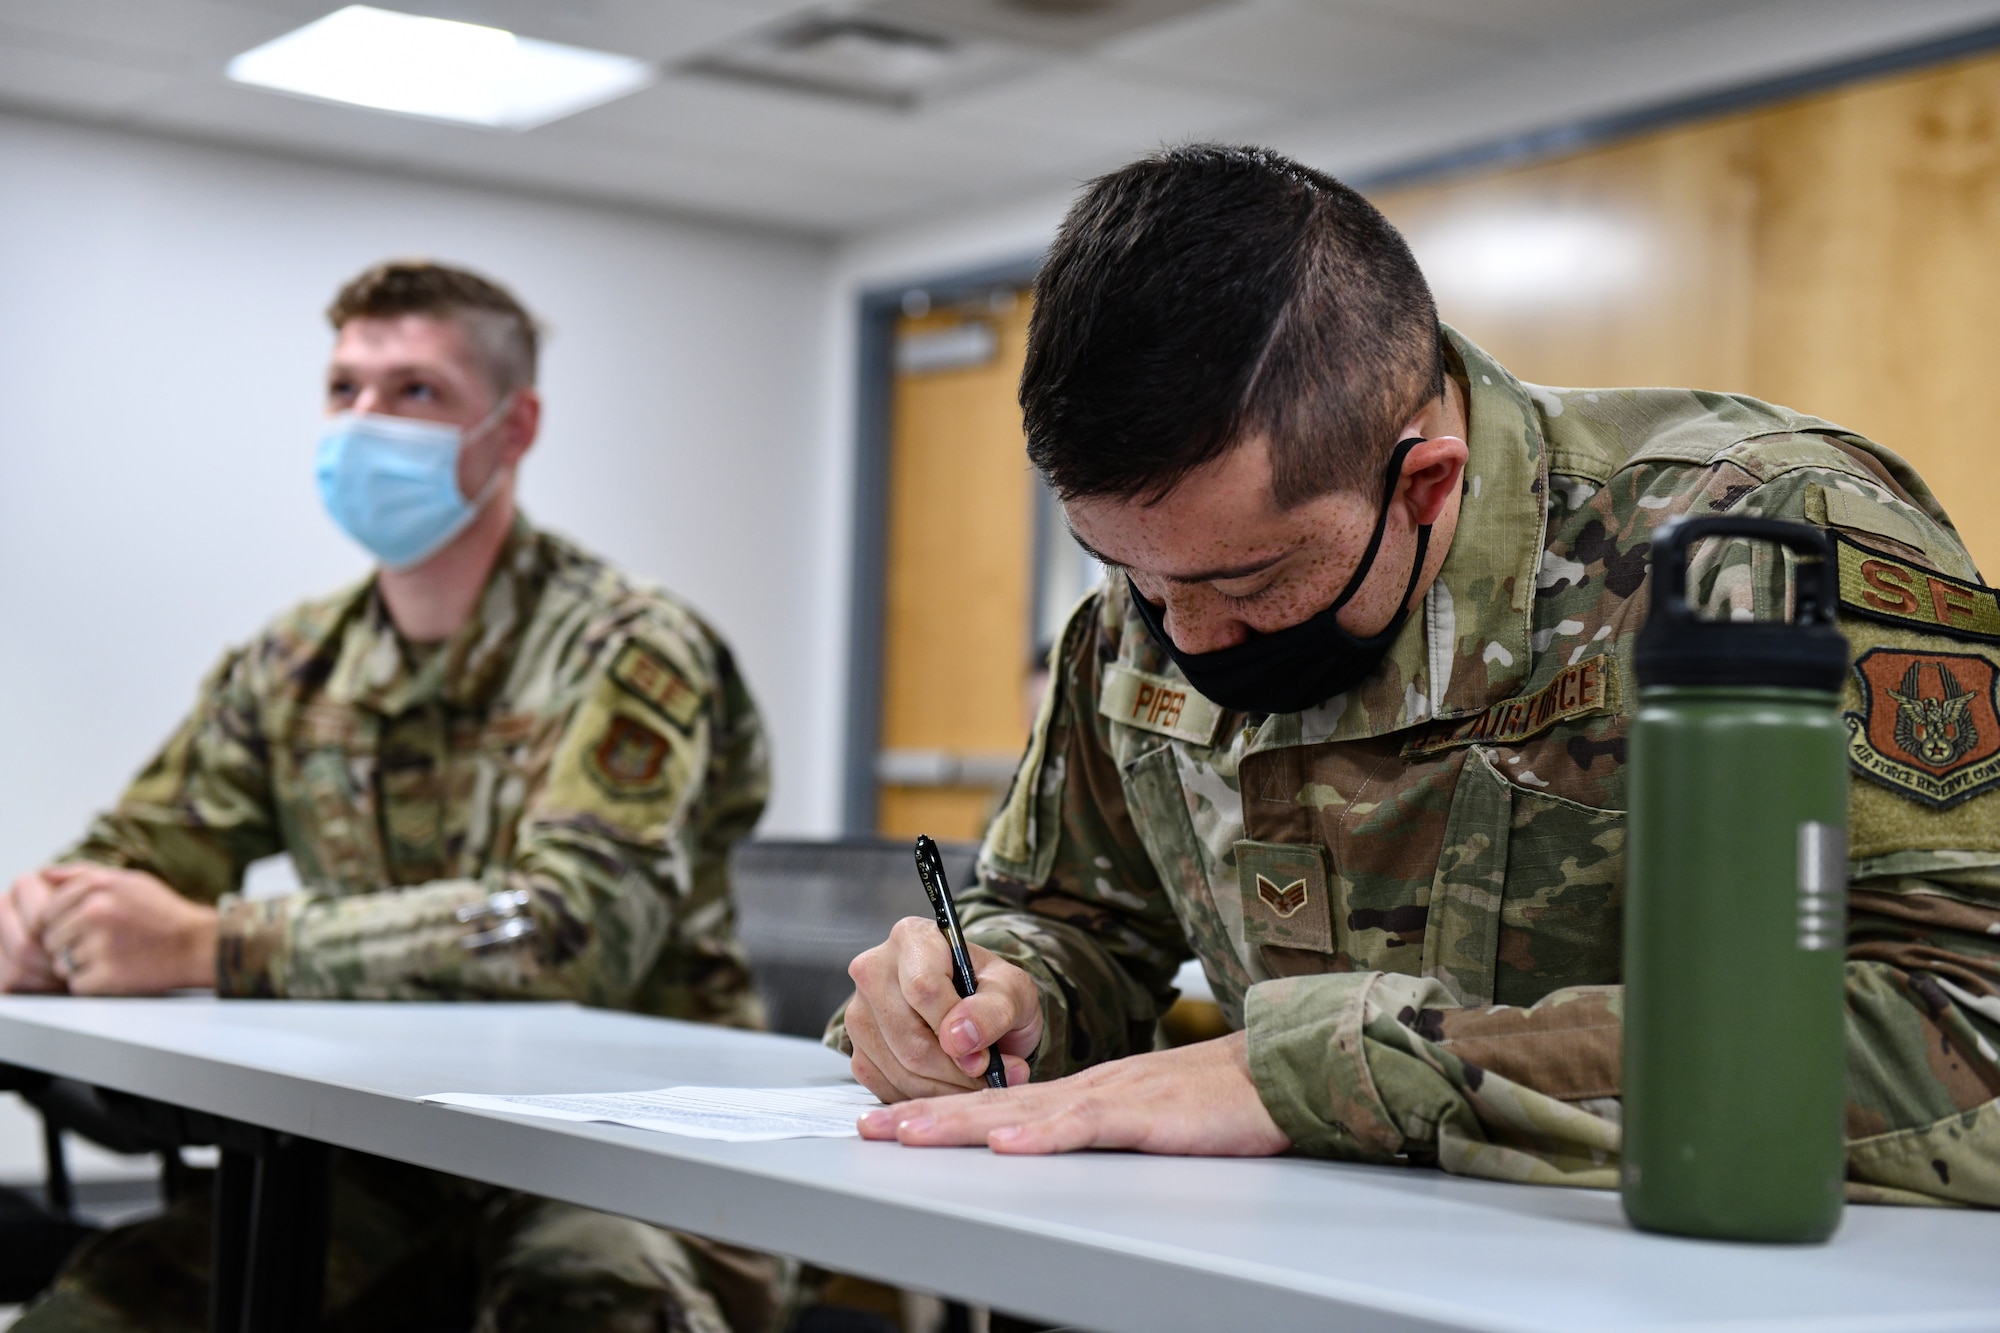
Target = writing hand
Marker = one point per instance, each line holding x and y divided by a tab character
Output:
1196	1100
914	1037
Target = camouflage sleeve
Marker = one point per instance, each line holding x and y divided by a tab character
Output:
1923	972
1384	1068
1065	891
201	810
659	764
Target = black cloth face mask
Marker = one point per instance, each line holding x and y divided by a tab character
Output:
1292	669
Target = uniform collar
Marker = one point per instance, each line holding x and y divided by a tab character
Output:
1468	646
373	669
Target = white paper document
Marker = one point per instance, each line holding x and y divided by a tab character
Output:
733	1115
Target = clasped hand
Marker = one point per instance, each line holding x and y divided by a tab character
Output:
920	1047
97	930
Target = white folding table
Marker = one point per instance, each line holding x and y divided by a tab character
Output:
1108	1241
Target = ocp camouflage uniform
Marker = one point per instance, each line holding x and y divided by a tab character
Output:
1409	895
540	808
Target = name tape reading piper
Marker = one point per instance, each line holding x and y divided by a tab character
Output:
1155	703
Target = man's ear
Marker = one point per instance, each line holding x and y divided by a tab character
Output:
1432	474
524	422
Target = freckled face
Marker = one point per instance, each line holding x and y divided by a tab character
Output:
1221	557
1224	561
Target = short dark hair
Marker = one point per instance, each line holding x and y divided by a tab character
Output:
1207	294
500	327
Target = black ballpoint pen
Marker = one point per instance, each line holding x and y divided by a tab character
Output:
930	869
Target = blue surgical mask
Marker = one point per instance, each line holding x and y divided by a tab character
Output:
391	483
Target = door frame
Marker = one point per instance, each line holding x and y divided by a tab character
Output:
877	310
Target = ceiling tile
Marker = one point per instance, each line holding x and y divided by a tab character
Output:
887	142
1557	23
695	176
1327	54
45	81
165	29
1102	105
660	30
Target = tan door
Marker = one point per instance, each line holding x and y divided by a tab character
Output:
957	632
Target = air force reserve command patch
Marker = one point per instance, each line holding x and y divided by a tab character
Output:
628	760
1928	725
1927	669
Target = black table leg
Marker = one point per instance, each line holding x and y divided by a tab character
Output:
235	1188
287	1268
61	1197
270	1236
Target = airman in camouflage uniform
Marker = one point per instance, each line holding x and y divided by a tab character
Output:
539	808
539	804
1408	895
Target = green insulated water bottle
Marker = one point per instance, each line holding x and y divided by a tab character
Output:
1736	907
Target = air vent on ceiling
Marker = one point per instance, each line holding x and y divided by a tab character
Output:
1063	25
864	57
902	52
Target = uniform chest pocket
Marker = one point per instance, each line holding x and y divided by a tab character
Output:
327	802
1528	892
1287	905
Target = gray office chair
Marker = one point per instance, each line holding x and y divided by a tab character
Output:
804	909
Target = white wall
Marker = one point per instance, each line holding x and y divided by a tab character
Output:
160	350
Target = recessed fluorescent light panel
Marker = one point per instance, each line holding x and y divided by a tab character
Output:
439	69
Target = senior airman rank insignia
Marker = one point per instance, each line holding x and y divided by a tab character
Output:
1285	902
1282	901
628	761
1929	725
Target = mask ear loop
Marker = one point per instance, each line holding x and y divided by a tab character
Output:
1361	571
486	423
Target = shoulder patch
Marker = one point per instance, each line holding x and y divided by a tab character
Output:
1929	725
1884	587
1578	690
654	681
1154	703
629	760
